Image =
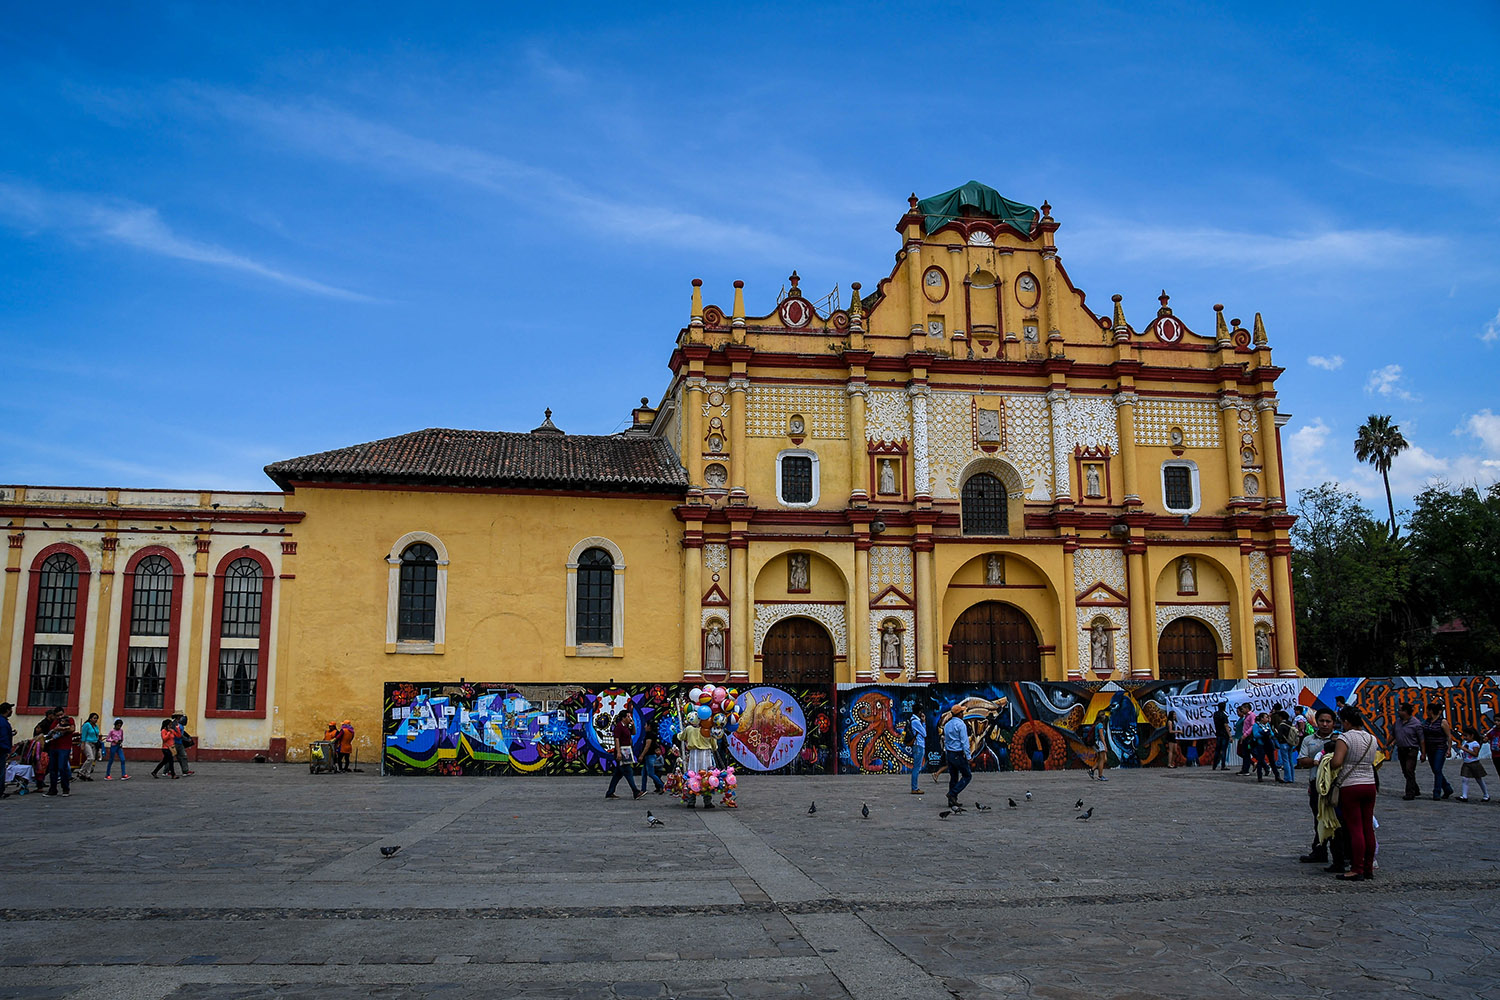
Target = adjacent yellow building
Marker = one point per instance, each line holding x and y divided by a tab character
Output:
964	473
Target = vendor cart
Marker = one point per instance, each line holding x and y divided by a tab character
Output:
322	757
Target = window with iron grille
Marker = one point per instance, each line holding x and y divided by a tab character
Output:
1177	483
50	667
417	613
796	479
596	598
146	677
242	582
57	595
984	505
151	599
237	678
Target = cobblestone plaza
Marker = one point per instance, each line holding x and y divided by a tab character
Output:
259	881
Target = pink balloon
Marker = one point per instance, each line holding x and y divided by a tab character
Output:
713	782
720	694
731	781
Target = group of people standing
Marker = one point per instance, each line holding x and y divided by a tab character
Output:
60	750
1264	741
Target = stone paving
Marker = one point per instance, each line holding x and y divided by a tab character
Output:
248	881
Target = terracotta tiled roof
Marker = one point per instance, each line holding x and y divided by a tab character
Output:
442	457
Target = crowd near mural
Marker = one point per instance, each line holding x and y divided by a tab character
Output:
474	728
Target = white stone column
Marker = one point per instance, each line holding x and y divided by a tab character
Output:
1057	401
921	477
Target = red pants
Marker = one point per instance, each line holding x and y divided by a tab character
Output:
1357	804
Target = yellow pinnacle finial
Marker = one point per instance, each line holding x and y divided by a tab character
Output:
697	309
738	311
1120	324
1221	329
1259	334
856	307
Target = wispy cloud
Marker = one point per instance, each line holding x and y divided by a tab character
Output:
1386	382
1357	248
139	227
332	133
1491	332
1484	426
1330	364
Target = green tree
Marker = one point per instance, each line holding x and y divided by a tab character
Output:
1455	577
1379	442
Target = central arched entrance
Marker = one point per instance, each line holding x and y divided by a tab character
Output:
991	643
797	651
1187	651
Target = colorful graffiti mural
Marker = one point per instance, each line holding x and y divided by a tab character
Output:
482	729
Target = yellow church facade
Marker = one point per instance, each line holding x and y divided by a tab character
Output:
964	473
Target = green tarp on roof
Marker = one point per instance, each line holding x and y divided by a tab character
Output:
943	208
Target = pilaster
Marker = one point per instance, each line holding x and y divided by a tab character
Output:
1125	401
692	601
191	686
10	613
108	545
1270	453
1281	604
1142	613
927	611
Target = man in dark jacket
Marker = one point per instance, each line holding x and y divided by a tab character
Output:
1408	733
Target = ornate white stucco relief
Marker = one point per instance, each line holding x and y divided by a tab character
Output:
1155	418
767	407
1120	619
908	620
887	415
715	557
1260	573
1093	423
950	439
1028	442
722	614
1106	566
831	616
1216	616
1061	403
891	566
1249	422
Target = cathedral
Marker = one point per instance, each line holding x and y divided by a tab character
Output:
963	474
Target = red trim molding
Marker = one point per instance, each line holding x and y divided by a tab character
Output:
80	626
174	633
216	626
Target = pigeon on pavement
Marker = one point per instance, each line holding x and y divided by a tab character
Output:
812	808
1088	814
945	814
981	807
389	852
1028	795
1078	804
1011	803
652	820
864	810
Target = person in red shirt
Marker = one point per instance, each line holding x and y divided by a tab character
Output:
345	745
623	731
168	743
60	739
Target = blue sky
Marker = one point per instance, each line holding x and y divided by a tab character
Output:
233	233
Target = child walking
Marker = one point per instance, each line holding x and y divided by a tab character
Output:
1468	751
114	750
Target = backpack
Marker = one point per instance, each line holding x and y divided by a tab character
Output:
909	738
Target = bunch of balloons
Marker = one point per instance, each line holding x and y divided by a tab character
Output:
715	709
705	783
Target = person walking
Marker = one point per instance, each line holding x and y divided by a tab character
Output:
7	744
88	737
916	739
1101	747
1171	739
650	760
1436	738
1468	755
1221	737
1408	734
623	731
1354	765
1286	749
956	752
60	740
1260	745
168	743
1246	725
114	749
346	746
184	740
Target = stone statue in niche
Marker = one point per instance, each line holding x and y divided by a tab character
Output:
1263	649
1187	576
713	655
797	565
715	476
887	476
989	425
994	570
1091	474
1252	486
715	443
890	648
796	426
1099	647
1247	457
1175	437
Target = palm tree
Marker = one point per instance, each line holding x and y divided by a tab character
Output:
1379	442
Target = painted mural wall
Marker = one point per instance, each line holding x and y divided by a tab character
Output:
486	729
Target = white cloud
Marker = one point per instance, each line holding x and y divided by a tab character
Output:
1305	463
139	227
1361	248
1386	382
1491	332
1485	426
1331	364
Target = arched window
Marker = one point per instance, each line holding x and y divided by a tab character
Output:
242	636
416	594
417	614
148	645
984	505
54	624
596	598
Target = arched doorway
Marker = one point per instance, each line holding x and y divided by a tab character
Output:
797	651
1187	651
992	643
